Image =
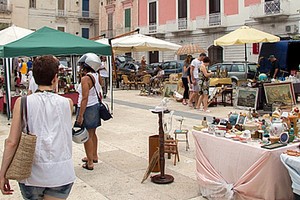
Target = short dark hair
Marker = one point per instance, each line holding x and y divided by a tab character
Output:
202	54
206	60
44	69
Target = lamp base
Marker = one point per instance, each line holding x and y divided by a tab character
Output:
162	180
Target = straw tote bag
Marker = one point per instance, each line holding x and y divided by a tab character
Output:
20	167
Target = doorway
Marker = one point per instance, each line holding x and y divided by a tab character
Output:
153	57
215	54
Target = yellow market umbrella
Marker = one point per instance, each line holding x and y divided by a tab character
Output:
245	35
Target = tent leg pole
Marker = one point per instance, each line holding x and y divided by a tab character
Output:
246	52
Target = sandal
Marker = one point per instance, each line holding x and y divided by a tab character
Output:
85	160
85	166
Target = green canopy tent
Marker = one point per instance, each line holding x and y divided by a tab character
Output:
47	41
50	41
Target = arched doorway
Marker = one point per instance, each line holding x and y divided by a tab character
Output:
215	54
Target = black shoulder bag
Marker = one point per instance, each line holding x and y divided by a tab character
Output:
104	109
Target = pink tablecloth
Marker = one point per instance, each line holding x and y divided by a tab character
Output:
228	169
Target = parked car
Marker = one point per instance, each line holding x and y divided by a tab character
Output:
237	71
127	68
172	67
121	59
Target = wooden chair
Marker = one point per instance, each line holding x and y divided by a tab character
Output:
126	82
181	131
171	147
145	83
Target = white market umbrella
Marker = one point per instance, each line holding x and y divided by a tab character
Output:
12	34
9	35
245	35
140	43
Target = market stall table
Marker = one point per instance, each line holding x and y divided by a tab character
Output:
227	169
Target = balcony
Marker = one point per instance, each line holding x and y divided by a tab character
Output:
5	8
86	16
181	25
61	13
152	28
215	22
268	11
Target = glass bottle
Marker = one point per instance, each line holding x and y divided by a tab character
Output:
204	122
291	133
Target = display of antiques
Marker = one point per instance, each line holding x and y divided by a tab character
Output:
65	84
268	131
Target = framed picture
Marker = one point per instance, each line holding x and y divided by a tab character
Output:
246	98
169	89
282	93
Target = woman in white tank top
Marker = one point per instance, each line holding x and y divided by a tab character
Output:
49	118
89	106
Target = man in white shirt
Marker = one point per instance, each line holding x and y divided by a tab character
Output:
195	65
104	74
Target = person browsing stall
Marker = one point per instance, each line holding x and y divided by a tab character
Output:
204	76
49	118
184	78
87	114
274	67
195	65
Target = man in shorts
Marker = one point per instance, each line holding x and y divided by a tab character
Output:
195	65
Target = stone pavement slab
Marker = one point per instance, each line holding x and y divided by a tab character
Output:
123	153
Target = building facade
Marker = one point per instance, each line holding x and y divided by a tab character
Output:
78	17
203	21
117	17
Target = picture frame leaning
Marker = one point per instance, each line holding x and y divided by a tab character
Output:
280	93
246	98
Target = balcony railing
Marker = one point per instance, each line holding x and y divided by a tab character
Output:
108	2
61	13
182	23
214	19
86	16
269	8
152	28
272	7
5	7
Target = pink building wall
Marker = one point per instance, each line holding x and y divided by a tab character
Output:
143	6
231	7
250	2
197	8
167	11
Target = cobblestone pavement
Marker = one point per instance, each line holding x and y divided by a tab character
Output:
123	152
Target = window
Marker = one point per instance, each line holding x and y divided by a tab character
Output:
182	14
182	9
152	17
214	6
85	33
127	19
32	4
110	25
61	28
61	4
85	8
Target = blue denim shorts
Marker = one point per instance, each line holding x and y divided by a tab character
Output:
91	116
37	193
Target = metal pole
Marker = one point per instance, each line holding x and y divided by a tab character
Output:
246	52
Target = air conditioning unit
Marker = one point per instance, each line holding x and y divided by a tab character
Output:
291	29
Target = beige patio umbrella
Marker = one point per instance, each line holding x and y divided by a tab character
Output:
140	43
245	35
190	49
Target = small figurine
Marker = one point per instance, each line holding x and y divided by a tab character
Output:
204	122
215	121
